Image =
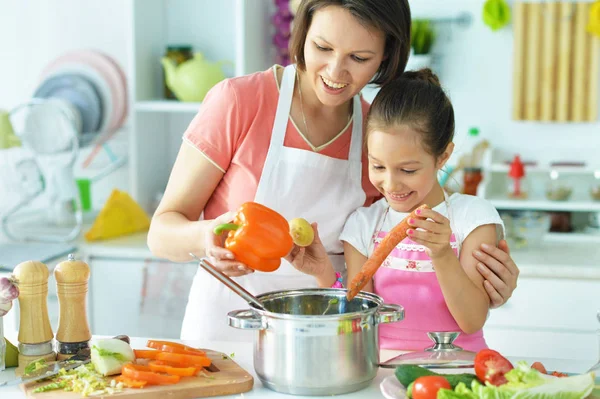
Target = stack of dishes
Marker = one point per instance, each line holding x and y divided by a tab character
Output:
92	86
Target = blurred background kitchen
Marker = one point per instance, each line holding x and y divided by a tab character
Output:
95	96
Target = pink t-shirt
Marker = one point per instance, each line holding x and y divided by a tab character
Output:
233	130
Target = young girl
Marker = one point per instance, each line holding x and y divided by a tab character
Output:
432	273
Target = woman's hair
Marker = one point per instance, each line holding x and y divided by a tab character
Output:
392	17
416	100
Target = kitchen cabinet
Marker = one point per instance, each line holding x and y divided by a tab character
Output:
138	297
548	317
235	31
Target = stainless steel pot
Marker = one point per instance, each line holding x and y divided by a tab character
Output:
315	342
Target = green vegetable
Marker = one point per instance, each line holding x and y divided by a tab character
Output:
525	383
409	390
407	374
496	14
34	366
51	387
106	353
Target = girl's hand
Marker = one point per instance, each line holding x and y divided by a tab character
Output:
312	260
499	271
221	258
434	233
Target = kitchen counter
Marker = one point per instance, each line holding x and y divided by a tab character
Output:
242	354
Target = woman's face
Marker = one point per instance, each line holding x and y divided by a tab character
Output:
341	55
401	169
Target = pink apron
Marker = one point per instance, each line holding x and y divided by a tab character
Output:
407	278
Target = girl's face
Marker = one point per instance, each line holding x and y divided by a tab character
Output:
401	169
341	55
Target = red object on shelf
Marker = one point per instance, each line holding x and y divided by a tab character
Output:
517	172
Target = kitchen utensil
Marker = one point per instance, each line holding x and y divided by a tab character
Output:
73	332
35	333
443	354
50	369
235	287
555	69
300	351
80	92
231	379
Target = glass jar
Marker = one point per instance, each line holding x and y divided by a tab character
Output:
178	54
595	189
558	187
471	179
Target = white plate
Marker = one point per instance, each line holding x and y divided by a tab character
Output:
391	388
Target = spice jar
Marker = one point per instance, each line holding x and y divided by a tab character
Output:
178	54
471	179
595	189
558	188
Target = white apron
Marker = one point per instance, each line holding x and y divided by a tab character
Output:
295	183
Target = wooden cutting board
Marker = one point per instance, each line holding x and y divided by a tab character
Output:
230	379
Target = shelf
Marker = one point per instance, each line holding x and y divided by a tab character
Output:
573	237
167	106
545	205
572	170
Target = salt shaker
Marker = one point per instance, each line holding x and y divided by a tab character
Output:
35	333
73	335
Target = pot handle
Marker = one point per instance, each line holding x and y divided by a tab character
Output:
389	313
246	320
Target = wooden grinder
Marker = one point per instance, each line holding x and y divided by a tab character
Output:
35	332
73	333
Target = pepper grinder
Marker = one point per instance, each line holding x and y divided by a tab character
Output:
35	332
73	335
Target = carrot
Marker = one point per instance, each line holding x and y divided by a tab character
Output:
389	242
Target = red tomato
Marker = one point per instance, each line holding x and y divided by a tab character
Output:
490	366
539	367
428	387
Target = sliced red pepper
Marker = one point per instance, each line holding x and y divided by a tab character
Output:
180	365
174	347
161	367
143	373
145	353
184	359
128	382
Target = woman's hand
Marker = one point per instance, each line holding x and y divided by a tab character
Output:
220	257
499	271
434	234
311	260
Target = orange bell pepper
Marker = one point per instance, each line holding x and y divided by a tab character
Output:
184	360
144	373
162	367
145	353
174	347
128	382
259	237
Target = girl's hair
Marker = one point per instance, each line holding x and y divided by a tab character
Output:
392	17
416	100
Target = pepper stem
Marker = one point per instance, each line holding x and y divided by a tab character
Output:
224	227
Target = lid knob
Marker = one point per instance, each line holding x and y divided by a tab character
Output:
443	341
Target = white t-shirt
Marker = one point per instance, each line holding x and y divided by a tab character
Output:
466	213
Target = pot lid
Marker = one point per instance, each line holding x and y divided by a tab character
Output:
442	355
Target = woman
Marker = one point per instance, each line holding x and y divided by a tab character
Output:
293	142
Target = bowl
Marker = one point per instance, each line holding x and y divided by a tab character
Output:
525	228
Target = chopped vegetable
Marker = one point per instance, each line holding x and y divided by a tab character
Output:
427	387
143	373
190	360
128	382
162	367
389	242
109	356
84	380
145	353
34	366
174	347
491	366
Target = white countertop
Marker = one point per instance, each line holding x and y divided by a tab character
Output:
243	357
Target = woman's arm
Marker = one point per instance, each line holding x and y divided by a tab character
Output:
175	230
499	271
461	283
354	262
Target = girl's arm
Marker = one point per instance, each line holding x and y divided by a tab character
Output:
354	262
462	285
